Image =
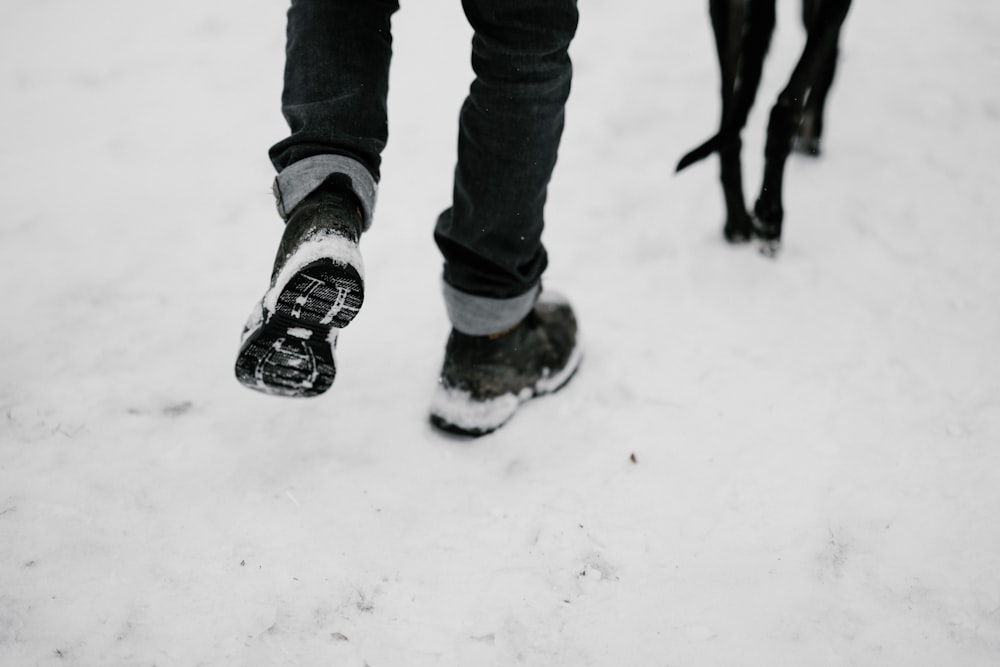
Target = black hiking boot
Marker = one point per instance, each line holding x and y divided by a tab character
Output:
317	287
486	378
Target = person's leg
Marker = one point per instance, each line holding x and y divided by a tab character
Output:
508	343
334	99
509	132
336	80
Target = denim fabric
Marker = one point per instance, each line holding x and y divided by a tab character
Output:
337	56
336	82
509	132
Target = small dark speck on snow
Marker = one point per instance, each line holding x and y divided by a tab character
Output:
178	409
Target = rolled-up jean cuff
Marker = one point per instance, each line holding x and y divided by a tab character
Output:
299	179
483	316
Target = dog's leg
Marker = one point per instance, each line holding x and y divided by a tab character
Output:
810	132
727	24
785	118
743	30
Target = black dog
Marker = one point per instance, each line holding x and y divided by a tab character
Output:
743	30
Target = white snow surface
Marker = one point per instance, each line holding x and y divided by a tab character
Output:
789	462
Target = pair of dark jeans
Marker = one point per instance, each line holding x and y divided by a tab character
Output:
336	82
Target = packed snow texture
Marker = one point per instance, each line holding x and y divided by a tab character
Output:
760	462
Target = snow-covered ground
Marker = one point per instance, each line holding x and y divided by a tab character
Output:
789	462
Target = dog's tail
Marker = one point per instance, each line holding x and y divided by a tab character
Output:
700	153
725	137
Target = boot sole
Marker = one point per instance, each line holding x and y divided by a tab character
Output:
291	352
